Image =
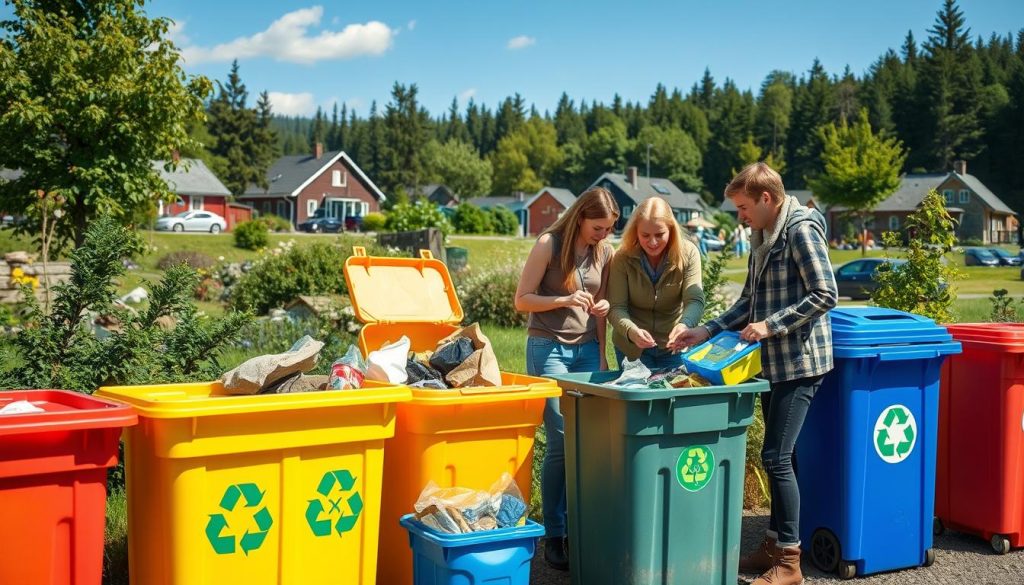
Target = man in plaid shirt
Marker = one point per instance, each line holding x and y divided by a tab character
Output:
784	305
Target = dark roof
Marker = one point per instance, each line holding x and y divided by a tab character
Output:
983	192
191	177
802	196
654	187
510	203
290	174
910	193
563	196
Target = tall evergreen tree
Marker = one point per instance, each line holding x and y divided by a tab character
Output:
234	127
264	141
318	132
455	128
775	107
813	107
568	123
407	127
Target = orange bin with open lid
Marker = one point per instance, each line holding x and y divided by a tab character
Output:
463	437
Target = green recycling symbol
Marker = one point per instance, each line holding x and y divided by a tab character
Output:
224	544
895	434
695	467
335	488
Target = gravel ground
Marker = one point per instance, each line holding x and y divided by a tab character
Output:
960	559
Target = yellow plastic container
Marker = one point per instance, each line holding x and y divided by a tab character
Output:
255	489
466	437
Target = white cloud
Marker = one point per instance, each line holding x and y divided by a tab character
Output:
292	104
176	33
520	42
289	38
466	94
411	25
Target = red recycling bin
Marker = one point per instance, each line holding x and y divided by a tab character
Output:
53	485
980	471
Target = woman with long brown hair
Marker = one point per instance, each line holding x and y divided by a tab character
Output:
654	288
562	288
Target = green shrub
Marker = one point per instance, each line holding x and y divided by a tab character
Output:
470	219
714	283
406	217
972	242
251	235
194	260
374	221
490	296
282	274
275	223
503	221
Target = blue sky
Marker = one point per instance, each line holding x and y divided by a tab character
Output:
316	53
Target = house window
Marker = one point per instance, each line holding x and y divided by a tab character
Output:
627	211
310	208
948	194
195	203
282	209
339	178
266	207
894	223
366	208
965	195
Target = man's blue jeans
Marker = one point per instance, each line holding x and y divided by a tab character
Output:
784	409
543	357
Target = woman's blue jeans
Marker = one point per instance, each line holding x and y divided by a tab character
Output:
543	357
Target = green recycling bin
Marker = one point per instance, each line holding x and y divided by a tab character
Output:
456	258
654	480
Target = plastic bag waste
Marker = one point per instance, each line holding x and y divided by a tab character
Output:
634	374
451	355
387	364
457	510
348	371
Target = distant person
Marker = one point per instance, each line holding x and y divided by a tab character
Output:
562	287
654	288
702	246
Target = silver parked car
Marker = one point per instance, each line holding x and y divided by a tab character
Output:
192	221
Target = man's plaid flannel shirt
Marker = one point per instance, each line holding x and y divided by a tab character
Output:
792	293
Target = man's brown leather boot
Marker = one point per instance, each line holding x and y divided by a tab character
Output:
760	559
785	571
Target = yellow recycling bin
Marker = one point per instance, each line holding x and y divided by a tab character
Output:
262	489
463	437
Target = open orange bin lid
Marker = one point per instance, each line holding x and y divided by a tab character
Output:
415	297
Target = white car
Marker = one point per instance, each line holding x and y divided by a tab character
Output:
192	221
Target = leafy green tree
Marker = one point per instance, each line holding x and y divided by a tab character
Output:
674	155
527	158
775	107
90	94
861	168
606	150
924	285
750	152
457	165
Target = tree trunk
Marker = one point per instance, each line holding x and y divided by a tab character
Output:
79	217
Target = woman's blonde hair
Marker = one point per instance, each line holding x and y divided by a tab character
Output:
658	210
594	203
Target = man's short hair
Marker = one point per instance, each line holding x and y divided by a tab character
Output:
754	179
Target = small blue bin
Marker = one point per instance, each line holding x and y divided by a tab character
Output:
717	361
867	451
501	556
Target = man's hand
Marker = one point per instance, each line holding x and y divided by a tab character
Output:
755	332
673	343
600	308
692	337
642	339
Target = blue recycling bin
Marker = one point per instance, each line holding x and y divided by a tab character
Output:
866	455
500	556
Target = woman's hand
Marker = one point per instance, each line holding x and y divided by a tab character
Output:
581	299
600	308
642	339
675	337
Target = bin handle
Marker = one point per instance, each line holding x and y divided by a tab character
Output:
575	394
908	354
493	389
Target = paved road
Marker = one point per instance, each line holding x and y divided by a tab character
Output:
959	560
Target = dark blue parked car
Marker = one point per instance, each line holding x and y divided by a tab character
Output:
979	257
1005	258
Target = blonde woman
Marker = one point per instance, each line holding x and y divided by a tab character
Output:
654	288
562	288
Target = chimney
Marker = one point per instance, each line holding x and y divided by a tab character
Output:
318	150
520	196
960	167
631	177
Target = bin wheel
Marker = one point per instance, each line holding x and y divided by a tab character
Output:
929	557
825	550
847	570
938	528
1000	544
